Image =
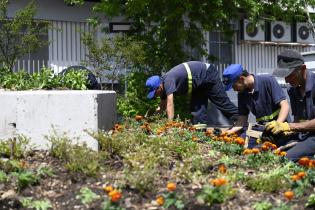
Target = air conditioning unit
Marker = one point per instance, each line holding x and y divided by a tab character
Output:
253	31
303	34
281	32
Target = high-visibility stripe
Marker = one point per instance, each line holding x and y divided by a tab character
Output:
189	79
269	117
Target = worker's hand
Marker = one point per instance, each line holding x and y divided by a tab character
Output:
277	127
270	125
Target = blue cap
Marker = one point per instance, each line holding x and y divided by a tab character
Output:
153	84
231	75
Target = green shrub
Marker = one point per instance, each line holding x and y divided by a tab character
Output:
210	195
45	79
25	179
84	160
271	181
87	196
16	148
36	204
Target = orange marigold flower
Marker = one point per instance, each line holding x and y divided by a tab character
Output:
301	174
311	164
115	195
273	146
255	151
295	177
208	133
283	153
118	127
171	186
218	182
268	143
277	152
108	188
222	169
138	117
194	138
247	151
240	141
304	161
160	200
264	147
289	195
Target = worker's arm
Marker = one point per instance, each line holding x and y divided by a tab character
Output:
162	107
307	126
170	106
284	111
241	120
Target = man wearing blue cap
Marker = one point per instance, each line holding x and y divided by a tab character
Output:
200	81
292	68
259	94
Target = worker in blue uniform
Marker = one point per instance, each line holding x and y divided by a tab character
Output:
291	66
200	81
259	94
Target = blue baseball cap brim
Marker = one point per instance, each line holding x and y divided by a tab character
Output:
151	94
152	84
231	74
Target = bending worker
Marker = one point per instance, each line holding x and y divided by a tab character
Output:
302	96
200	81
259	94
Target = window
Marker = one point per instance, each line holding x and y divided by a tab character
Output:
220	49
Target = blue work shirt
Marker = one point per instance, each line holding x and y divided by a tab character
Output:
303	106
264	100
176	80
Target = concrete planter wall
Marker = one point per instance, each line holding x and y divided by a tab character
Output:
36	114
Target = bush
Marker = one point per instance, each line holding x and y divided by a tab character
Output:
45	79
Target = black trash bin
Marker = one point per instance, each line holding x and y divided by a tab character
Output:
93	84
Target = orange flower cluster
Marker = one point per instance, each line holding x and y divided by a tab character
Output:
171	186
218	182
306	162
228	138
118	127
138	117
146	127
289	195
268	146
280	153
222	169
160	200
251	151
169	125
298	176
114	194
194	138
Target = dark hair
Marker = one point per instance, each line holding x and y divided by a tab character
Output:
244	73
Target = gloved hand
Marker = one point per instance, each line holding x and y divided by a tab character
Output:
277	127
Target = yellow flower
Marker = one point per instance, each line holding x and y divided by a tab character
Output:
108	188
160	200
289	195
171	186
114	195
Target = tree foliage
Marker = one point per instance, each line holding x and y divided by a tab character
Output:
173	30
19	35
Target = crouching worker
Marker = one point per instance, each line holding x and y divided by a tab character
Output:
259	94
302	96
200	82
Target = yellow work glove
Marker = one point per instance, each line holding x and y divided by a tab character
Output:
270	125
277	127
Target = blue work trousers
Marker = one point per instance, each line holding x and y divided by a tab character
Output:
214	91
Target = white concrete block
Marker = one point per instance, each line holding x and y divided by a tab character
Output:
39	113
